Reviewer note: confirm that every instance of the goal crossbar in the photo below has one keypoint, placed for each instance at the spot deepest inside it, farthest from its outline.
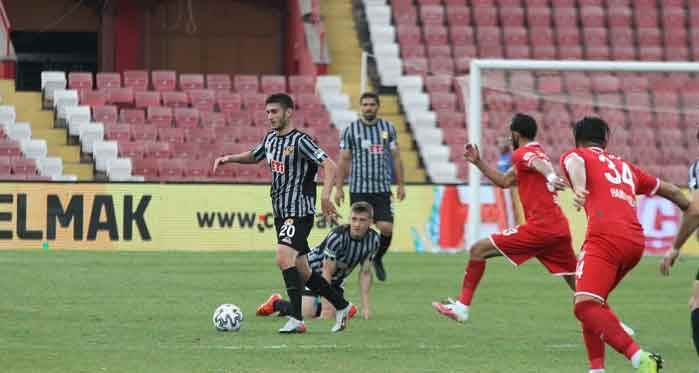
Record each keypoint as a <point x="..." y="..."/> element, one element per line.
<point x="475" y="105"/>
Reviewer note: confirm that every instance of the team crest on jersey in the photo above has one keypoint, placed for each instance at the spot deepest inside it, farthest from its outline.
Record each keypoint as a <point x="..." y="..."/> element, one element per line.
<point x="384" y="135"/>
<point x="289" y="150"/>
<point x="289" y="221"/>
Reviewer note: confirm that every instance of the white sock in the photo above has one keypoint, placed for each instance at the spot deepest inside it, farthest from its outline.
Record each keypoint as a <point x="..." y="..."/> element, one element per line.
<point x="636" y="359"/>
<point x="596" y="371"/>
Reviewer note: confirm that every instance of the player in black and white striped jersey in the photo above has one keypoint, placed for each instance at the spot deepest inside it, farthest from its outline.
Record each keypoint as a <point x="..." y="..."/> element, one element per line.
<point x="293" y="158"/>
<point x="365" y="145"/>
<point x="343" y="249"/>
<point x="689" y="224"/>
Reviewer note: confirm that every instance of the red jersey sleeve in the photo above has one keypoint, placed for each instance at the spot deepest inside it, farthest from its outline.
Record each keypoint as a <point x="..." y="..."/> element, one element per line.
<point x="564" y="157"/>
<point x="646" y="184"/>
<point x="522" y="158"/>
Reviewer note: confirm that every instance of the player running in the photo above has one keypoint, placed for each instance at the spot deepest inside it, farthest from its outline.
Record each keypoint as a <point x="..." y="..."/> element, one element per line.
<point x="544" y="236"/>
<point x="690" y="223"/>
<point x="293" y="159"/>
<point x="606" y="186"/>
<point x="345" y="247"/>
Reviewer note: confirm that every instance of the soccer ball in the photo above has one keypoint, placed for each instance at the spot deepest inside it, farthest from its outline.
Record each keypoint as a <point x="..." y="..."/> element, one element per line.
<point x="228" y="318"/>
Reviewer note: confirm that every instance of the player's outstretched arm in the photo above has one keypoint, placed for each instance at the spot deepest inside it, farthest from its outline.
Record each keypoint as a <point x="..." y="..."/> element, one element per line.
<point x="690" y="222"/>
<point x="503" y="180"/>
<point x="545" y="168"/>
<point x="326" y="205"/>
<point x="342" y="172"/>
<point x="575" y="166"/>
<point x="365" y="279"/>
<point x="245" y="157"/>
<point x="398" y="167"/>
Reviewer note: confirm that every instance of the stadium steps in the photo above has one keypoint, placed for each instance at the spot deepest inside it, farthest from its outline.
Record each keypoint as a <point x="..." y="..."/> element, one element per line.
<point x="28" y="108"/>
<point x="345" y="54"/>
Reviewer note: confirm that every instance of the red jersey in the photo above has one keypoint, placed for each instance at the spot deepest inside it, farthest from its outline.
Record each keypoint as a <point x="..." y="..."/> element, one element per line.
<point x="612" y="184"/>
<point x="539" y="203"/>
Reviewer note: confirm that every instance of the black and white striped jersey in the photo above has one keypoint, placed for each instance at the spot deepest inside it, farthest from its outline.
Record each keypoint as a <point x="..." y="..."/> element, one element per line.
<point x="370" y="145"/>
<point x="345" y="251"/>
<point x="293" y="160"/>
<point x="693" y="173"/>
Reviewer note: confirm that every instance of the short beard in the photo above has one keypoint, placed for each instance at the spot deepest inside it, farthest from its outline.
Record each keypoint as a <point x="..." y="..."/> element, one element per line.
<point x="515" y="144"/>
<point x="369" y="117"/>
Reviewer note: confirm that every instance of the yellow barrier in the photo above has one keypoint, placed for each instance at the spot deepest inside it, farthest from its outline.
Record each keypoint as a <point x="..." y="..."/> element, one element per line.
<point x="162" y="217"/>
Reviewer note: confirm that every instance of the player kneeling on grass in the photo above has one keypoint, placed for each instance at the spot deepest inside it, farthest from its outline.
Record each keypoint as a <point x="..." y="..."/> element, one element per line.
<point x="335" y="258"/>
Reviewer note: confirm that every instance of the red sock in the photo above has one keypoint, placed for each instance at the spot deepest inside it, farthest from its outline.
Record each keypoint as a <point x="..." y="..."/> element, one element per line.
<point x="474" y="272"/>
<point x="595" y="349"/>
<point x="602" y="321"/>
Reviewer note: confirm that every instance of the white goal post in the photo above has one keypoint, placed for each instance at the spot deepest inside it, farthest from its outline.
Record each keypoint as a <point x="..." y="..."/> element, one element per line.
<point x="475" y="105"/>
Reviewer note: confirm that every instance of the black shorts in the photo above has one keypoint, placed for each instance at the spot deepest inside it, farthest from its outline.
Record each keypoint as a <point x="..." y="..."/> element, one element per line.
<point x="381" y="202"/>
<point x="697" y="278"/>
<point x="310" y="293"/>
<point x="293" y="232"/>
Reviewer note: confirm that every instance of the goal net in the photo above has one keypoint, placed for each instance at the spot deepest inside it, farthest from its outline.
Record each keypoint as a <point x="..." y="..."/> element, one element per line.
<point x="651" y="107"/>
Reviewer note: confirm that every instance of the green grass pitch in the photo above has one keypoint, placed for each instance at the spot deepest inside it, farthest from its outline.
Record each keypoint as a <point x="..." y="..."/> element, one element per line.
<point x="151" y="312"/>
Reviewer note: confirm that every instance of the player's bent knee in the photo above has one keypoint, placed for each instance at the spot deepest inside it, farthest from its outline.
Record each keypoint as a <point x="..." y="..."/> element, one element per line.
<point x="482" y="250"/>
<point x="286" y="257"/>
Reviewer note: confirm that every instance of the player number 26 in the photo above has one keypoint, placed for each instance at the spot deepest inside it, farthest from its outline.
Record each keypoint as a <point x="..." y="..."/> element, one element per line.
<point x="613" y="175"/>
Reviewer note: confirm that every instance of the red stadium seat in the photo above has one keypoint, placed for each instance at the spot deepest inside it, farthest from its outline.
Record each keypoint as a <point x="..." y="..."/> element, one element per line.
<point x="218" y="82"/>
<point x="158" y="150"/>
<point x="488" y="36"/>
<point x="9" y="148"/>
<point x="238" y="118"/>
<point x="621" y="36"/>
<point x="438" y="83"/>
<point x="568" y="36"/>
<point x="108" y="80"/>
<point x="451" y="120"/>
<point x="175" y="99"/>
<point x="143" y="99"/>
<point x="316" y="119"/>
<point x="548" y="84"/>
<point x="93" y="98"/>
<point x="651" y="53"/>
<point x="415" y="66"/>
<point x="229" y="102"/>
<point x="442" y="66"/>
<point x="246" y="84"/>
<point x="148" y="168"/>
<point x="254" y="102"/>
<point x="302" y="84"/>
<point x="458" y="15"/>
<point x="565" y="17"/>
<point x="191" y="81"/>
<point x="200" y="135"/>
<point x="171" y="135"/>
<point x="439" y="51"/>
<point x="273" y="84"/>
<point x="23" y="166"/>
<point x="104" y="114"/>
<point x="186" y="150"/>
<point x="133" y="150"/>
<point x="202" y="99"/>
<point x="309" y="102"/>
<point x="678" y="53"/>
<point x="645" y="17"/>
<point x="515" y="36"/>
<point x="648" y="37"/>
<point x="144" y="133"/>
<point x="197" y="169"/>
<point x="5" y="166"/>
<point x="570" y="52"/>
<point x="619" y="16"/>
<point x="160" y="116"/>
<point x="120" y="96"/>
<point x="164" y="80"/>
<point x="517" y="51"/>
<point x="80" y="80"/>
<point x="136" y="79"/>
<point x="259" y="118"/>
<point x="461" y="36"/>
<point x="543" y="52"/>
<point x="485" y="15"/>
<point x="443" y="101"/>
<point x="132" y="116"/>
<point x="672" y="16"/>
<point x="621" y="53"/>
<point x="117" y="132"/>
<point x="538" y="17"/>
<point x="542" y="36"/>
<point x="577" y="82"/>
<point x="407" y="35"/>
<point x="413" y="50"/>
<point x="170" y="169"/>
<point x="186" y="117"/>
<point x="432" y="14"/>
<point x="602" y="83"/>
<point x="512" y="16"/>
<point x="592" y="16"/>
<point x="435" y="35"/>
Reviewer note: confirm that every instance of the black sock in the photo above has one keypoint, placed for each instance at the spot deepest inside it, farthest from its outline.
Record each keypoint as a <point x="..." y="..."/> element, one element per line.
<point x="282" y="306"/>
<point x="384" y="243"/>
<point x="317" y="283"/>
<point x="695" y="328"/>
<point x="292" y="279"/>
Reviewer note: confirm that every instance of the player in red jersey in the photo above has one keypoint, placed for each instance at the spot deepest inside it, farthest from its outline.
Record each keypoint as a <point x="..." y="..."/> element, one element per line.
<point x="606" y="186"/>
<point x="544" y="236"/>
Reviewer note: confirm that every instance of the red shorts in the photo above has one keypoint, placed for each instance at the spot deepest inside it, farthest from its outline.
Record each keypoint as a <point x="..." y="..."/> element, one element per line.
<point x="603" y="263"/>
<point x="553" y="248"/>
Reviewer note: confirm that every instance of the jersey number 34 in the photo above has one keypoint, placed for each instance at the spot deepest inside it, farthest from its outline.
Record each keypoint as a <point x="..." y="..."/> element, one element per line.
<point x="614" y="177"/>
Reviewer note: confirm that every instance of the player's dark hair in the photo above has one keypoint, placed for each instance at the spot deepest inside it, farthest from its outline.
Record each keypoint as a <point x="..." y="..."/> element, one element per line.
<point x="282" y="99"/>
<point x="371" y="95"/>
<point x="591" y="131"/>
<point x="363" y="207"/>
<point x="525" y="125"/>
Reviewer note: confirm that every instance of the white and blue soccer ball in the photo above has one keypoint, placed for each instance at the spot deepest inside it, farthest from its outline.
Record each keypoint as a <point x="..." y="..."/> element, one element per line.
<point x="228" y="318"/>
